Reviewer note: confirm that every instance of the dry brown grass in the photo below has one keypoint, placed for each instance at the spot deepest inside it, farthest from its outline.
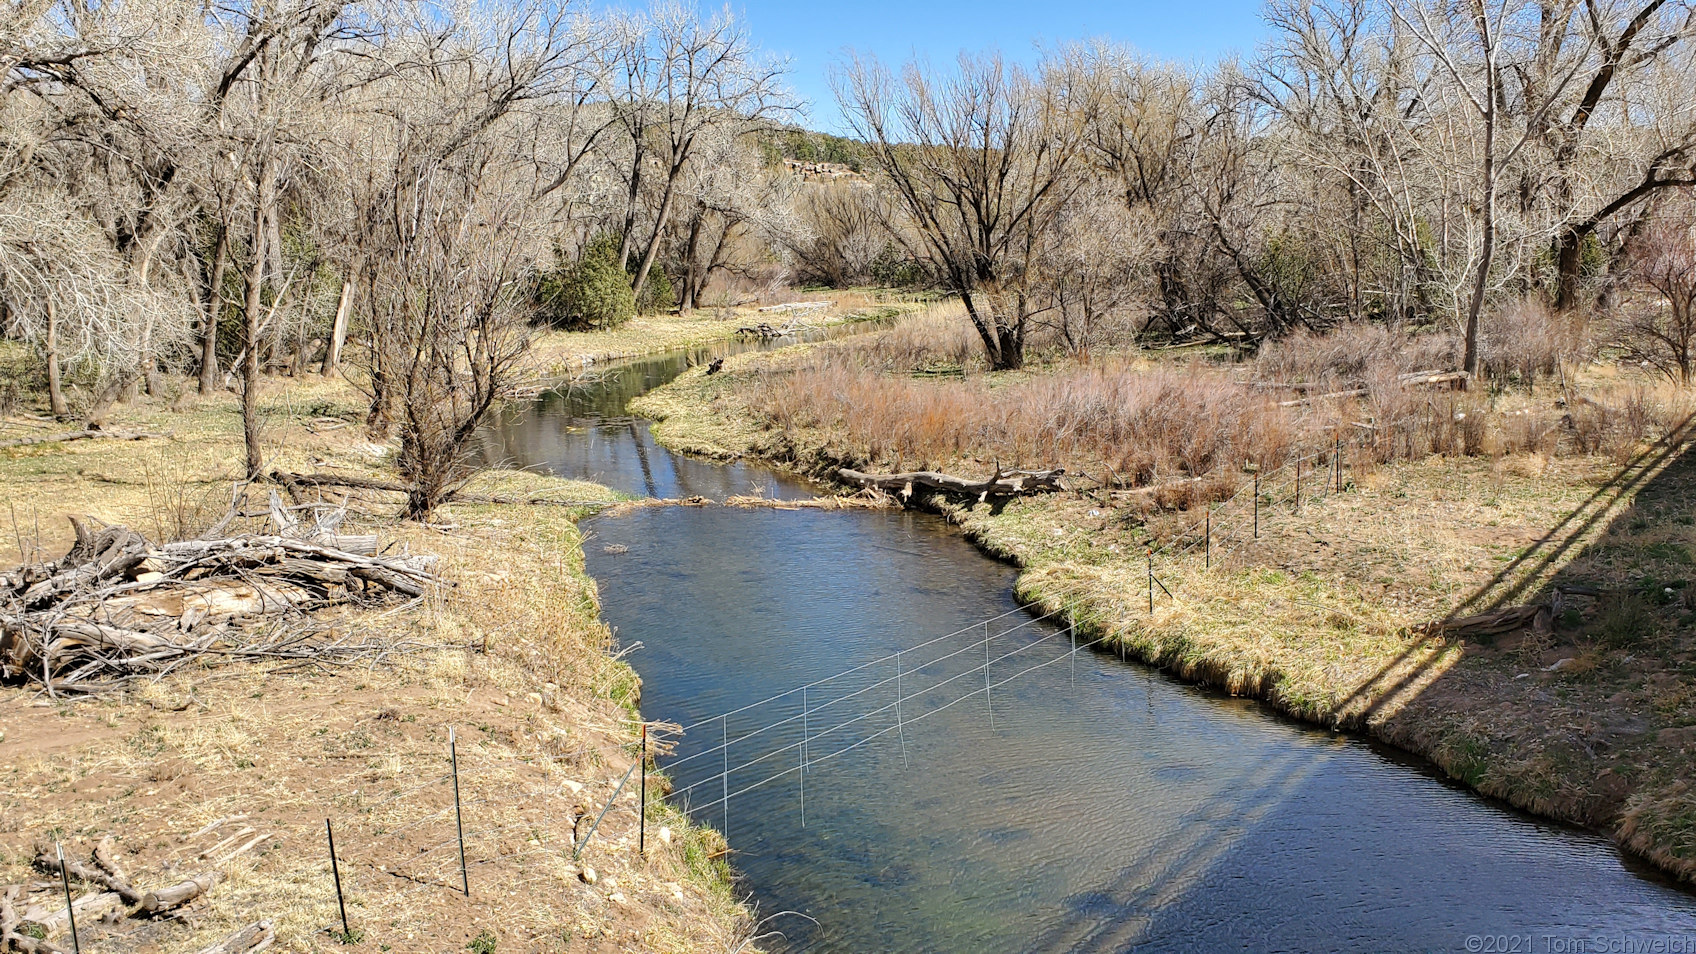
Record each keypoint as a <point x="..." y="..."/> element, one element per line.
<point x="914" y="396"/>
<point x="1126" y="421"/>
<point x="1351" y="354"/>
<point x="544" y="717"/>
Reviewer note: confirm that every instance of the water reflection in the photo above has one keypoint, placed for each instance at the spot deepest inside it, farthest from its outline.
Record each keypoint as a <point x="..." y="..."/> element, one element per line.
<point x="583" y="431"/>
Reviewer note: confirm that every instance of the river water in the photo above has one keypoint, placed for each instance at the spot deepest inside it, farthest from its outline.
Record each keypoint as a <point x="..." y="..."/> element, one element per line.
<point x="1081" y="803"/>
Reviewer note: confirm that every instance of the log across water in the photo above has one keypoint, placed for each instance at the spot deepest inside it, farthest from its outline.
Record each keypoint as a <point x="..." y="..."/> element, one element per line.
<point x="1002" y="483"/>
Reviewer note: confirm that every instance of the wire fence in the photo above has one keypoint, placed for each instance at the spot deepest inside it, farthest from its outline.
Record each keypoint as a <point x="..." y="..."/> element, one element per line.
<point x="788" y="734"/>
<point x="427" y="837"/>
<point x="1226" y="527"/>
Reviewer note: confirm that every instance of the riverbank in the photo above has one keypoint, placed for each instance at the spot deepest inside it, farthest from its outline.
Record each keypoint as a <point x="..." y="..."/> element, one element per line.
<point x="1324" y="616"/>
<point x="513" y="657"/>
<point x="554" y="354"/>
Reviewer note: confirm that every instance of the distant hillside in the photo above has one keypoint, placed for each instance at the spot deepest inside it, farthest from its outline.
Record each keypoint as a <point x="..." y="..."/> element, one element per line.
<point x="815" y="149"/>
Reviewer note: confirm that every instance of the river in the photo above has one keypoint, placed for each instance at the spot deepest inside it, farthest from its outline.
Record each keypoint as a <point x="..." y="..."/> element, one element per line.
<point x="1081" y="803"/>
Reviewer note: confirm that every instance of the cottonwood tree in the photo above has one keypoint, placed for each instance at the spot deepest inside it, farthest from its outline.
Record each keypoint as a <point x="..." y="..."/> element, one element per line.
<point x="733" y="213"/>
<point x="1621" y="131"/>
<point x="1091" y="267"/>
<point x="1472" y="47"/>
<point x="842" y="228"/>
<point x="1338" y="80"/>
<point x="98" y="129"/>
<point x="679" y="75"/>
<point x="454" y="316"/>
<point x="71" y="296"/>
<point x="982" y="160"/>
<point x="1145" y="140"/>
<point x="278" y="95"/>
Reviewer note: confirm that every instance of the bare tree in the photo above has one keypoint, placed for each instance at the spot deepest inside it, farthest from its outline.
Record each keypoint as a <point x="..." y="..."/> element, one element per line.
<point x="1470" y="46"/>
<point x="70" y="295"/>
<point x="680" y="75"/>
<point x="451" y="308"/>
<point x="1639" y="51"/>
<point x="841" y="230"/>
<point x="734" y="213"/>
<point x="1663" y="333"/>
<point x="982" y="160"/>
<point x="1091" y="267"/>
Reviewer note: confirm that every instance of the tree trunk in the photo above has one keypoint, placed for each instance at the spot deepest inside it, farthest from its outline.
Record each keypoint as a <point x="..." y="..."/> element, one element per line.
<point x="213" y="307"/>
<point x="630" y="205"/>
<point x="1011" y="353"/>
<point x="55" y="389"/>
<point x="1569" y="266"/>
<point x="690" y="255"/>
<point x="338" y="331"/>
<point x="653" y="250"/>
<point x="1487" y="254"/>
<point x="250" y="316"/>
<point x="991" y="346"/>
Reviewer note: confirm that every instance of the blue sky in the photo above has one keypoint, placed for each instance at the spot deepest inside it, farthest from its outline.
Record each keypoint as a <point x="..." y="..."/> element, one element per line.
<point x="814" y="34"/>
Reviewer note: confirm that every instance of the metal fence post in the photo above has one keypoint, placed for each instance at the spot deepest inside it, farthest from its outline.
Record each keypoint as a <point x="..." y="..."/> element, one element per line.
<point x="1257" y="504"/>
<point x="642" y="823"/>
<point x="70" y="903"/>
<point x="724" y="729"/>
<point x="458" y="816"/>
<point x="900" y="729"/>
<point x="1207" y="545"/>
<point x="336" y="872"/>
<point x="804" y="740"/>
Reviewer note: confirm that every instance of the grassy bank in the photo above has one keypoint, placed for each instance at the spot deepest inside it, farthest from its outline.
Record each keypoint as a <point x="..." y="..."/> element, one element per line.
<point x="557" y="353"/>
<point x="1324" y="616"/>
<point x="512" y="656"/>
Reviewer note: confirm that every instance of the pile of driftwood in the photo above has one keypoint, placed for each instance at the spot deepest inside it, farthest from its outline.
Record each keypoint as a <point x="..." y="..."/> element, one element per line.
<point x="32" y="915"/>
<point x="118" y="606"/>
<point x="1002" y="483"/>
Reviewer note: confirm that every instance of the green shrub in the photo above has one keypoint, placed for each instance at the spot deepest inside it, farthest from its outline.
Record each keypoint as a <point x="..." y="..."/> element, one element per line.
<point x="657" y="293"/>
<point x="592" y="292"/>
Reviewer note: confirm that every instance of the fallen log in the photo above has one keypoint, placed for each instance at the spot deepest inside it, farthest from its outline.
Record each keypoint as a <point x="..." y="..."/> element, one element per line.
<point x="10" y="939"/>
<point x="1435" y="377"/>
<point x="1002" y="483"/>
<point x="1299" y="402"/>
<point x="1417" y="379"/>
<point x="116" y="879"/>
<point x="179" y="894"/>
<point x="298" y="481"/>
<point x="252" y="939"/>
<point x="82" y="435"/>
<point x="89" y="908"/>
<point x="116" y="883"/>
<point x="1539" y="618"/>
<point x="293" y="480"/>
